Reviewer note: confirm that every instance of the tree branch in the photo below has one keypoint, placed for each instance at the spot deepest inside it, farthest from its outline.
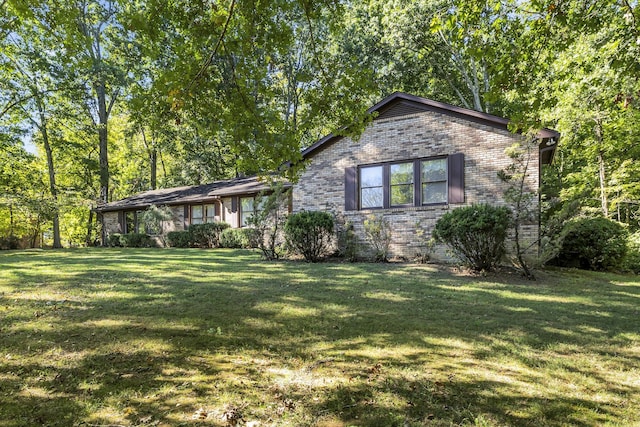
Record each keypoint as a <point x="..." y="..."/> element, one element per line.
<point x="209" y="60"/>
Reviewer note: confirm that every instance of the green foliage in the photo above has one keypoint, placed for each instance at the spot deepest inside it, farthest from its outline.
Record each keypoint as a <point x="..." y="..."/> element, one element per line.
<point x="269" y="220"/>
<point x="153" y="217"/>
<point x="131" y="240"/>
<point x="632" y="259"/>
<point x="593" y="244"/>
<point x="309" y="233"/>
<point x="476" y="234"/>
<point x="347" y="240"/>
<point x="207" y="235"/>
<point x="377" y="231"/>
<point x="180" y="239"/>
<point x="521" y="196"/>
<point x="113" y="240"/>
<point x="238" y="238"/>
<point x="9" y="242"/>
<point x="137" y="240"/>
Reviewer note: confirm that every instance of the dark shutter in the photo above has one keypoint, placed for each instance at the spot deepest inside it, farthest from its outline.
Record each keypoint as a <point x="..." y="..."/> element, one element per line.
<point x="456" y="178"/>
<point x="351" y="188"/>
<point x="120" y="221"/>
<point x="216" y="208"/>
<point x="234" y="204"/>
<point x="186" y="216"/>
<point x="417" y="180"/>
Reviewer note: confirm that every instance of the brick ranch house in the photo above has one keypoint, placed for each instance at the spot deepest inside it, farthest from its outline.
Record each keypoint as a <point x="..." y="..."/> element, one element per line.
<point x="417" y="160"/>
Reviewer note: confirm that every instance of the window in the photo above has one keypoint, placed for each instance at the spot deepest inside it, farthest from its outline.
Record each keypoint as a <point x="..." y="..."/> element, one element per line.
<point x="209" y="213"/>
<point x="246" y="210"/>
<point x="433" y="176"/>
<point x="408" y="183"/>
<point x="248" y="207"/>
<point x="371" y="188"/>
<point x="197" y="214"/>
<point x="201" y="214"/>
<point x="401" y="183"/>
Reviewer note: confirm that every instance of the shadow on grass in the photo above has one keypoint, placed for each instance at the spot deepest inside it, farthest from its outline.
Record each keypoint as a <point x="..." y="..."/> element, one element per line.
<point x="116" y="334"/>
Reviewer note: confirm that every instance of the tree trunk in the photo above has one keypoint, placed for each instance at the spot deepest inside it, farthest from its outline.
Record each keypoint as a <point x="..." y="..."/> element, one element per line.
<point x="88" y="241"/>
<point x="153" y="158"/>
<point x="52" y="176"/>
<point x="11" y="225"/>
<point x="103" y="117"/>
<point x="154" y="167"/>
<point x="602" y="176"/>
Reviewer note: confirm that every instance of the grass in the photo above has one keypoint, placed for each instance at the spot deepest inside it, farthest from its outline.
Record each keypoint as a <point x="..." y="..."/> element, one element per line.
<point x="120" y="337"/>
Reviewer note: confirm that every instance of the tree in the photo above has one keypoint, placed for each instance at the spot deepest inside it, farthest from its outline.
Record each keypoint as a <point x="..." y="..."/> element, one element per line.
<point x="30" y="74"/>
<point x="521" y="197"/>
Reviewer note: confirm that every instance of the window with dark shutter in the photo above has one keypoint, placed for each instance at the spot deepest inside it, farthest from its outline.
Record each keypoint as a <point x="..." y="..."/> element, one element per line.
<point x="425" y="181"/>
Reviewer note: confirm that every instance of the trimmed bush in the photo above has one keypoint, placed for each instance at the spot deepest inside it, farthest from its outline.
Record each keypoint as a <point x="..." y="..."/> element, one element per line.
<point x="476" y="234"/>
<point x="136" y="240"/>
<point x="309" y="233"/>
<point x="207" y="235"/>
<point x="236" y="238"/>
<point x="592" y="244"/>
<point x="179" y="239"/>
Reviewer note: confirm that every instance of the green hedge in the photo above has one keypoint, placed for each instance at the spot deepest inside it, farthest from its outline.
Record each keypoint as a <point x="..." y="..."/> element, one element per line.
<point x="131" y="240"/>
<point x="207" y="235"/>
<point x="236" y="238"/>
<point x="180" y="239"/>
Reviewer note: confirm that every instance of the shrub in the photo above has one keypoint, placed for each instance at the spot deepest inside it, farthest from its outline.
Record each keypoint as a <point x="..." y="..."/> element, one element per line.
<point x="632" y="259"/>
<point x="592" y="244"/>
<point x="235" y="238"/>
<point x="114" y="240"/>
<point x="268" y="222"/>
<point x="179" y="239"/>
<point x="136" y="240"/>
<point x="378" y="233"/>
<point x="476" y="234"/>
<point x="153" y="217"/>
<point x="347" y="241"/>
<point x="309" y="233"/>
<point x="9" y="242"/>
<point x="207" y="235"/>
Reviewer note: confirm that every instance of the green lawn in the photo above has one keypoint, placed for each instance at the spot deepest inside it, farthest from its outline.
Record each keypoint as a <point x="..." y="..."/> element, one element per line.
<point x="114" y="337"/>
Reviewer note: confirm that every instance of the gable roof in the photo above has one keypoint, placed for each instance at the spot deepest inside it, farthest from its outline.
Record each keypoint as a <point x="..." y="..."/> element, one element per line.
<point x="401" y="104"/>
<point x="189" y="194"/>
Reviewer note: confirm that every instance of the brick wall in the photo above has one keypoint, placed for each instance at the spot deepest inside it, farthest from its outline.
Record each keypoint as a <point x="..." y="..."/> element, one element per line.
<point x="110" y="223"/>
<point x="426" y="134"/>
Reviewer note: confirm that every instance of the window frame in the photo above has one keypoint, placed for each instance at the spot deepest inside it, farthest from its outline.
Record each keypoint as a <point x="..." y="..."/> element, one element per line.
<point x="422" y="182"/>
<point x="387" y="186"/>
<point x="381" y="187"/>
<point x="256" y="207"/>
<point x="205" y="218"/>
<point x="412" y="184"/>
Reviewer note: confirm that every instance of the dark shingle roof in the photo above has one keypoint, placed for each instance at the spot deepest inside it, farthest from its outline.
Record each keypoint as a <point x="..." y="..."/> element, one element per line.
<point x="190" y="194"/>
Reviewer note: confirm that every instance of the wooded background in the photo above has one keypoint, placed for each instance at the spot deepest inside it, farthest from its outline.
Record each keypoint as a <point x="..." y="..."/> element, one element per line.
<point x="103" y="99"/>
